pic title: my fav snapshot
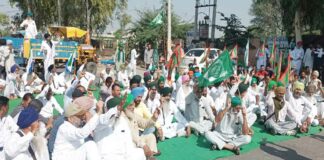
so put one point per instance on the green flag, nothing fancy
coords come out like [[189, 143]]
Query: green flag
[[219, 70], [158, 19]]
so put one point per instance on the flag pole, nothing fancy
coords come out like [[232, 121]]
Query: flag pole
[[169, 51]]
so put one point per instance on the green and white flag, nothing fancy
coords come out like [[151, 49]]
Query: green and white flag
[[219, 70], [158, 20], [69, 63], [246, 54]]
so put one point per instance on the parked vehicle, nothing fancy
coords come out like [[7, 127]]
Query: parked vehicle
[[198, 56]]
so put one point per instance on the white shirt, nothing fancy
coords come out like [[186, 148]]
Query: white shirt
[[85, 81], [7, 128], [26, 78], [114, 138], [301, 106], [57, 81], [153, 104], [206, 104], [297, 54], [286, 110], [10, 61], [16, 147], [123, 77], [31, 30], [4, 53], [48, 54], [110, 74], [69, 138], [319, 52], [134, 55], [170, 111], [49, 106]]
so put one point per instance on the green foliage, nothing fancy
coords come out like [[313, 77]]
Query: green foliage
[[142, 31], [234, 31], [273, 17], [267, 19], [4, 24], [73, 12]]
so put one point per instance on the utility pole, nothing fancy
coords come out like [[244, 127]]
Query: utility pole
[[196, 21], [214, 21], [59, 12], [169, 30], [198, 5]]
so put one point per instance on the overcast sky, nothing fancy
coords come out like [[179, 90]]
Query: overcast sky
[[184, 8]]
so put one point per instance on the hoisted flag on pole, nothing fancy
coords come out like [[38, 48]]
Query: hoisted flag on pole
[[273, 53], [246, 54], [30, 63], [69, 63], [284, 77], [278, 67], [219, 70], [158, 19]]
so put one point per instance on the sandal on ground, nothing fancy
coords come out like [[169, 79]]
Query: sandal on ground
[[157, 153], [236, 150]]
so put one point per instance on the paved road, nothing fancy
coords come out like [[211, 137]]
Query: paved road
[[305, 148]]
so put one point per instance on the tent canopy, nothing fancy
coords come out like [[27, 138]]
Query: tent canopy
[[68, 32]]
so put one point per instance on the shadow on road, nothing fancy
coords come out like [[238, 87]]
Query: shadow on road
[[282, 151], [318, 137]]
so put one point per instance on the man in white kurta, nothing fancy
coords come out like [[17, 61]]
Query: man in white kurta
[[248, 102], [21, 145], [87, 78], [153, 98], [133, 58], [57, 85], [122, 76], [148, 56], [69, 142], [206, 115], [297, 56], [232, 129], [32, 83], [304, 109], [309, 57], [113, 135], [107, 72], [13, 82], [49, 102], [316, 100], [7, 124], [183, 91], [170, 111], [10, 56], [278, 112], [30, 26], [48, 50]]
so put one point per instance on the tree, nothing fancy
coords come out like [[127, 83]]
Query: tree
[[234, 31], [142, 31], [87, 14], [267, 19], [4, 24], [296, 15]]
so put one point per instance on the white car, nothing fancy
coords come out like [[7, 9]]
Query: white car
[[199, 54]]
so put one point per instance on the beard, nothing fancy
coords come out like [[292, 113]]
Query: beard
[[165, 105], [39, 144], [186, 89]]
